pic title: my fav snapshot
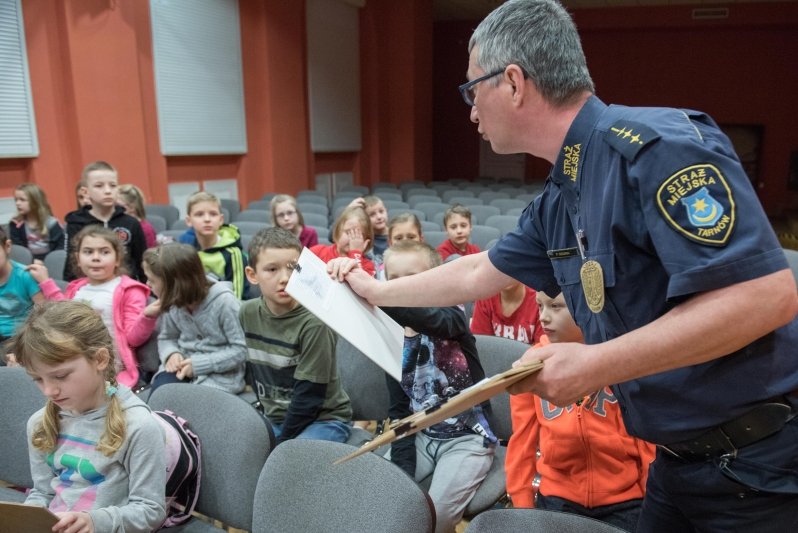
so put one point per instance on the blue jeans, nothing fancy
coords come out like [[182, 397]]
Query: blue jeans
[[756, 491], [332, 430], [162, 378], [623, 515]]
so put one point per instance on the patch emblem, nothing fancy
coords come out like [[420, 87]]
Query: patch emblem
[[123, 234], [698, 203]]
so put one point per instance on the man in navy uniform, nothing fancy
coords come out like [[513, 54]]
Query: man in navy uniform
[[651, 229]]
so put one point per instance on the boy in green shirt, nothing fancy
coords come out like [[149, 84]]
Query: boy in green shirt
[[291, 362]]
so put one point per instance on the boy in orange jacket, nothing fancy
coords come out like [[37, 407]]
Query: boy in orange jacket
[[588, 463]]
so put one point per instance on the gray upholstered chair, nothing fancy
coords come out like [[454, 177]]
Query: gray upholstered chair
[[496, 355], [309, 207], [482, 235], [435, 238], [536, 520], [235, 439], [19, 399], [364, 382], [315, 219], [505, 204], [300, 490], [503, 223], [169, 212], [251, 227], [253, 215], [20, 254], [157, 222], [480, 213], [54, 261]]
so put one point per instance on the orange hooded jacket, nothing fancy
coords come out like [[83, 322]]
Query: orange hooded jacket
[[586, 455]]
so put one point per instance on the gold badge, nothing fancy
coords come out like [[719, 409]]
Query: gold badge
[[593, 285]]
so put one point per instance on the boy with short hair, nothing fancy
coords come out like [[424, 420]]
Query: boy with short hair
[[457, 223], [218, 244], [101, 183], [291, 364], [378, 215], [439, 359], [588, 463]]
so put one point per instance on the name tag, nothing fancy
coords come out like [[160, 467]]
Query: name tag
[[563, 253]]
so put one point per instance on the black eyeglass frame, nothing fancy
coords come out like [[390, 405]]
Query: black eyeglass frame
[[466, 87]]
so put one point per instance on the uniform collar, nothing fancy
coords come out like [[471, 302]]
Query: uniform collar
[[568, 166]]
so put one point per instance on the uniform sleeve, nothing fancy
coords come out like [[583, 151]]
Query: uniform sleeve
[[480, 320], [230, 355], [522, 255], [42, 492], [702, 214], [519, 463], [145, 463]]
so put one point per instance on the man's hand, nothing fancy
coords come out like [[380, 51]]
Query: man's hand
[[566, 376]]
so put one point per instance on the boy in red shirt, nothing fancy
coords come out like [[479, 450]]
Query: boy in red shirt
[[588, 463], [511, 313], [457, 222]]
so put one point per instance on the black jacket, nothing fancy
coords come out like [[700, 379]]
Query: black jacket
[[126, 228]]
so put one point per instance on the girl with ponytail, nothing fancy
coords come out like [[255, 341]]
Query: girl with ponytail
[[96, 451]]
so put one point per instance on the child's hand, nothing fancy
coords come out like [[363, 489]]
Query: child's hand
[[339, 267], [70, 522], [356, 240], [11, 360], [173, 362], [357, 202], [152, 310], [186, 371], [38, 271]]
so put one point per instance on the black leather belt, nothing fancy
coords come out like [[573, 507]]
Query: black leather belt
[[755, 425]]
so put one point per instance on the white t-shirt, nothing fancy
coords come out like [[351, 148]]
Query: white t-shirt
[[101, 298]]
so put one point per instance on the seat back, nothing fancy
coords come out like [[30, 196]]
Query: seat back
[[482, 235], [54, 261], [233, 207], [526, 520], [503, 223], [254, 215], [435, 238], [157, 222], [480, 213], [20, 254], [315, 219], [300, 490], [169, 212], [19, 399], [236, 440], [497, 354], [363, 381]]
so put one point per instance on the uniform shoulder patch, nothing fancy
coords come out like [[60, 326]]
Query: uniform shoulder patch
[[629, 137], [698, 203]]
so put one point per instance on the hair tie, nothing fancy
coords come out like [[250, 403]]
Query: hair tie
[[110, 390]]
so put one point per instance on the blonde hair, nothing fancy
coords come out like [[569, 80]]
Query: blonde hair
[[95, 230], [38, 208], [57, 332], [201, 196], [280, 198], [413, 247], [91, 167], [371, 200], [133, 196], [365, 225]]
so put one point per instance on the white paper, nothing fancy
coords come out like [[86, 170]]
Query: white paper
[[365, 326]]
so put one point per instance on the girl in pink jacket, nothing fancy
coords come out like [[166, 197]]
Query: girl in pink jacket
[[120, 300]]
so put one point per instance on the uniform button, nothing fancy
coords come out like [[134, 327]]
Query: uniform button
[[573, 209]]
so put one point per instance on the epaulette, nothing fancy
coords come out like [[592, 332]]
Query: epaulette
[[629, 137]]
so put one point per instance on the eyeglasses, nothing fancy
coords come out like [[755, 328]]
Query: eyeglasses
[[285, 214], [467, 89]]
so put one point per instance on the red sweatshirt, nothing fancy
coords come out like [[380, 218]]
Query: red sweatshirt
[[446, 248], [587, 456], [327, 252], [523, 325]]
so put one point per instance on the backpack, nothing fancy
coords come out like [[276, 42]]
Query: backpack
[[183, 468]]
